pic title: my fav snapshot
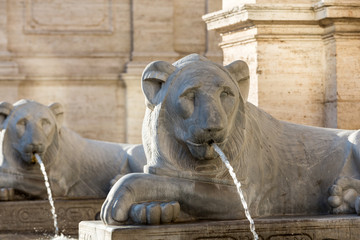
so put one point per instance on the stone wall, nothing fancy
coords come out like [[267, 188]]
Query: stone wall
[[304, 57], [89, 55]]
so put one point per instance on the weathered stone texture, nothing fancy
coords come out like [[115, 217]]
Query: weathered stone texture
[[285, 89], [36, 217], [348, 85], [305, 56]]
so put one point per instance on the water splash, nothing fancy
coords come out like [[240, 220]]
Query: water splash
[[238, 186], [47, 184], [62, 237]]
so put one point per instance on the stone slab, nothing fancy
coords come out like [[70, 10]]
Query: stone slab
[[32, 217], [32, 236], [334, 227]]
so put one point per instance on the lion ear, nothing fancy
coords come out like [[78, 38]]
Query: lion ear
[[239, 70], [152, 80], [58, 111], [5, 109]]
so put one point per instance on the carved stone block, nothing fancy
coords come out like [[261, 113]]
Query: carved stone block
[[285, 228], [35, 216]]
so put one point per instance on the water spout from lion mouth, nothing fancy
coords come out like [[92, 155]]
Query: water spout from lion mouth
[[204, 151], [33, 159], [33, 156]]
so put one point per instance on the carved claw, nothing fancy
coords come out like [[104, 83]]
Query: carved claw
[[343, 196], [155, 212]]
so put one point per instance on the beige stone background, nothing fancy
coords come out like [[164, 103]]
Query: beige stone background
[[304, 56]]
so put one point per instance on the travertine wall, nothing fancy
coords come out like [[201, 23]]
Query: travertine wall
[[304, 56], [89, 55]]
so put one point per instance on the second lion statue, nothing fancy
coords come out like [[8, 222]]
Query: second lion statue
[[77, 167], [284, 168]]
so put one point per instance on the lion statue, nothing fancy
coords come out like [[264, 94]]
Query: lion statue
[[77, 167], [284, 168]]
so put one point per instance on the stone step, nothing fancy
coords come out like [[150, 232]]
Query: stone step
[[334, 227]]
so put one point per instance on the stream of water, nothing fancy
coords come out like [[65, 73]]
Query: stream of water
[[238, 186], [51, 200]]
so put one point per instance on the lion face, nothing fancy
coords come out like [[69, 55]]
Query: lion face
[[203, 102], [191, 105], [29, 128]]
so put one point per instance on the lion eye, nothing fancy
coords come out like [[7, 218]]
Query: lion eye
[[46, 126], [226, 93], [227, 100], [190, 95], [185, 103], [20, 127]]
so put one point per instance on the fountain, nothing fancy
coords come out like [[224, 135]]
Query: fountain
[[197, 113], [194, 109]]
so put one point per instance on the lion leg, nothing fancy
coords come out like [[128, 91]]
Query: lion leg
[[344, 194], [149, 198]]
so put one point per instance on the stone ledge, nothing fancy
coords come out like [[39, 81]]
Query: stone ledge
[[280, 228], [35, 216], [247, 15]]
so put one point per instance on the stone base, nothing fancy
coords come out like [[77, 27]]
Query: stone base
[[30, 217], [290, 228]]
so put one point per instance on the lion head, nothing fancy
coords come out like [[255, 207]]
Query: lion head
[[28, 127], [192, 104]]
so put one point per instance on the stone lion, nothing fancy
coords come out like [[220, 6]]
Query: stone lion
[[284, 168], [77, 167]]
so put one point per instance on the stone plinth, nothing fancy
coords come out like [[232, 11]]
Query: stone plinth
[[35, 216], [280, 228]]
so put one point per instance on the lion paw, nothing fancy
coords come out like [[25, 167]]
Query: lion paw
[[154, 212], [343, 200]]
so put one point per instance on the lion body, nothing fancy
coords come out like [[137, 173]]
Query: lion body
[[77, 167], [287, 168]]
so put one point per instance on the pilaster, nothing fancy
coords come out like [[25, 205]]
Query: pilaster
[[341, 23], [7, 66]]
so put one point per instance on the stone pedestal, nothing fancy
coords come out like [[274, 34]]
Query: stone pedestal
[[280, 228], [30, 217], [303, 55]]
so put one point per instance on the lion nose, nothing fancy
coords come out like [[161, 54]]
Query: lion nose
[[213, 123], [35, 148]]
